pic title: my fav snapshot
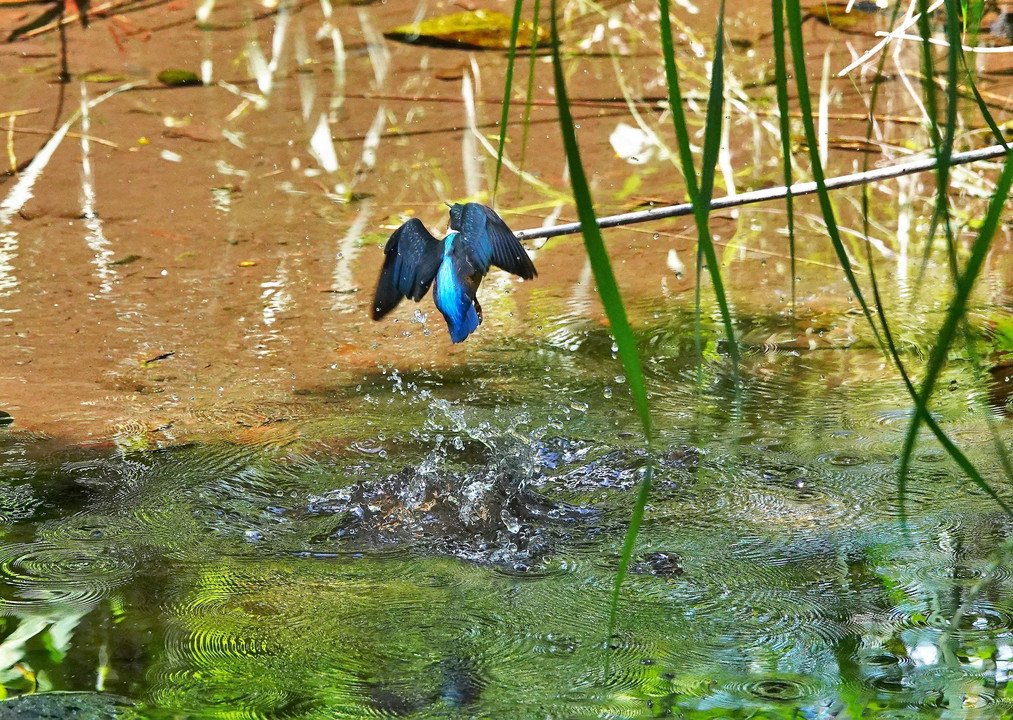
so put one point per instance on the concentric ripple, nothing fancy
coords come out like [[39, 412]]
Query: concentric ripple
[[38, 575]]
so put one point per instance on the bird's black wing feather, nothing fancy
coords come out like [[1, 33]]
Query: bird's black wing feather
[[411, 258], [490, 239]]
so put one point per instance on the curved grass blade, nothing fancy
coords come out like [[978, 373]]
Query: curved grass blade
[[508, 83], [982, 105], [608, 291], [955, 453], [921, 412], [955, 313]]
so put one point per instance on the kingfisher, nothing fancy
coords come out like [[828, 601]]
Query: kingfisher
[[414, 259]]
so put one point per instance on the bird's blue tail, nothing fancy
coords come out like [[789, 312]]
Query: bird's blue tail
[[463, 325]]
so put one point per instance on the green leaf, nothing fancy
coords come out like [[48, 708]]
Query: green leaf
[[178, 78]]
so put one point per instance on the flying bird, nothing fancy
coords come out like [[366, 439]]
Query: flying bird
[[414, 260]]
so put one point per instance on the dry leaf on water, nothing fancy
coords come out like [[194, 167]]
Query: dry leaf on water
[[478, 29]]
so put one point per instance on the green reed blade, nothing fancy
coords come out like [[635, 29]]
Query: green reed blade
[[708, 168], [508, 83], [972, 13], [781, 80], [675, 101], [629, 541], [955, 313], [608, 291], [982, 105], [601, 266], [526, 123], [942, 144], [921, 412], [794, 21], [701, 195]]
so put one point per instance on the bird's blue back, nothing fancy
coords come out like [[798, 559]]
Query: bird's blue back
[[452, 297]]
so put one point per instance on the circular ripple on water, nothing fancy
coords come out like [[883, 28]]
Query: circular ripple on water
[[917, 617], [771, 689], [984, 618], [796, 510], [774, 605], [781, 689], [17, 502], [954, 575], [236, 697], [37, 575]]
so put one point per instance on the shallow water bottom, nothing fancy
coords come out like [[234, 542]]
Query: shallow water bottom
[[443, 548]]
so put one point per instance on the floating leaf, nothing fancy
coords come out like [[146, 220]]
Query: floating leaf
[[101, 77], [178, 78], [838, 15], [126, 260], [477, 28], [157, 358]]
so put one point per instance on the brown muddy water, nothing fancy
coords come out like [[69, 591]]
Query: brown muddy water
[[226, 492]]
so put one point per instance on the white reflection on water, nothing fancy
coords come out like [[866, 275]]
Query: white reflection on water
[[102, 255], [8, 251], [348, 250]]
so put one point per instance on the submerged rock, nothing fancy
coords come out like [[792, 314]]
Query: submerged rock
[[65, 705]]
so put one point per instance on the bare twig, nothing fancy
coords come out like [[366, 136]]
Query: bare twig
[[18, 113], [92, 138], [67, 19], [806, 188], [1001, 50], [872, 52]]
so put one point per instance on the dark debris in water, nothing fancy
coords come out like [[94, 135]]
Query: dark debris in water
[[491, 517], [659, 564]]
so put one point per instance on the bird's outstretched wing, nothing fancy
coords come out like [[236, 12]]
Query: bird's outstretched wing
[[411, 258], [489, 240]]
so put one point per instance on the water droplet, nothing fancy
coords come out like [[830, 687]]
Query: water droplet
[[608, 392]]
